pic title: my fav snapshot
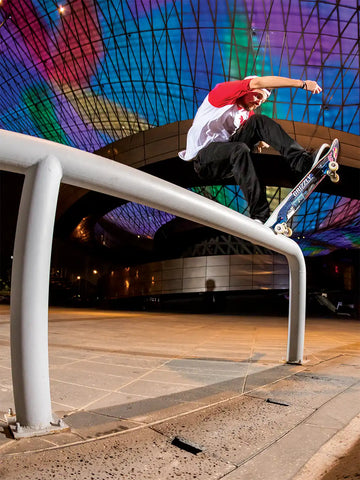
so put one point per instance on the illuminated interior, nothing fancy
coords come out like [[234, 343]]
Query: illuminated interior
[[89, 73]]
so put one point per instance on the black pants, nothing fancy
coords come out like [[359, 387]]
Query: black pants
[[220, 160]]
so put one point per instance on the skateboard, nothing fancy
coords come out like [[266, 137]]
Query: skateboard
[[325, 165]]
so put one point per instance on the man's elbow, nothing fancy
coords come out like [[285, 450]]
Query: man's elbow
[[256, 82]]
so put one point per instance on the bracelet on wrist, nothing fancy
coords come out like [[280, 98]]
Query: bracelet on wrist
[[304, 86]]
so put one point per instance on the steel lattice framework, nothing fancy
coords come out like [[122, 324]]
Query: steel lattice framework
[[104, 69]]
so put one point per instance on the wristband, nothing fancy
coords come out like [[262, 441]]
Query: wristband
[[304, 86]]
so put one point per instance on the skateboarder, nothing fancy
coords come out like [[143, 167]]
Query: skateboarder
[[225, 131]]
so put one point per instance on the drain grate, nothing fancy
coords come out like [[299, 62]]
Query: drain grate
[[187, 446]]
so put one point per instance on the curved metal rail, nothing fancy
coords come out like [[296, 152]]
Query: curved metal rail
[[47, 164]]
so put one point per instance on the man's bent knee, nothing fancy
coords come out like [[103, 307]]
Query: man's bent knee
[[239, 152]]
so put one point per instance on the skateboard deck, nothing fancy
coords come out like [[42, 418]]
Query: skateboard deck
[[325, 165]]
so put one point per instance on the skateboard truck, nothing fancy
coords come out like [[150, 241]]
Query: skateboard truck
[[332, 169], [283, 229], [327, 165]]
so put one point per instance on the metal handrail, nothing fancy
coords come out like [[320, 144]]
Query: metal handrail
[[45, 165]]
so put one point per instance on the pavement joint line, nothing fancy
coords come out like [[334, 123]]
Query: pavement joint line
[[72, 361], [319, 361], [107, 415], [64, 405], [127, 384], [118, 390], [344, 441], [157, 422], [5, 445], [80, 409], [81, 385], [97, 363], [112, 364], [266, 447], [250, 362], [357, 382], [303, 421]]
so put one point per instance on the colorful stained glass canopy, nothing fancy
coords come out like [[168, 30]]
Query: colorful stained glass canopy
[[92, 72], [87, 73]]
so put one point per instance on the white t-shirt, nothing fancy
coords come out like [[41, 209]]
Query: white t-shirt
[[218, 117]]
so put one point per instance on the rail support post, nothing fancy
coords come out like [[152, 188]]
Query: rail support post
[[29, 304], [297, 308]]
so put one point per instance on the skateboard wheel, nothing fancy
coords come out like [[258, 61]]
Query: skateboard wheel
[[333, 166], [280, 228], [335, 178], [288, 232]]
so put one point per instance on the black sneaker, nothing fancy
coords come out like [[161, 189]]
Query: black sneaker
[[311, 158], [319, 153]]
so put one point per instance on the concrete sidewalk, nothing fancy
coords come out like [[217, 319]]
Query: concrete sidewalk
[[161, 396]]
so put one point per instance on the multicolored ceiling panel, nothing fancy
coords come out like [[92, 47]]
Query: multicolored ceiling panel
[[88, 73], [92, 72]]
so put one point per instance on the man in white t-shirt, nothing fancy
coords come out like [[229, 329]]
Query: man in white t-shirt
[[225, 131]]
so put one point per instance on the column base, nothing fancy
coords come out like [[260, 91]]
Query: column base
[[18, 431]]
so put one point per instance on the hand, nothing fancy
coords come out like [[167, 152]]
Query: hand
[[312, 86], [260, 145]]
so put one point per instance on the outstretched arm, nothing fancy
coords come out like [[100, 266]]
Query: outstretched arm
[[282, 82]]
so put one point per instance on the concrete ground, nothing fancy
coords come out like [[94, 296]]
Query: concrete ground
[[160, 396]]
